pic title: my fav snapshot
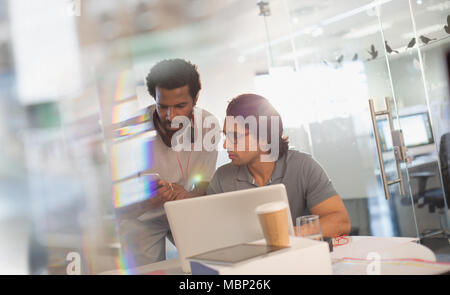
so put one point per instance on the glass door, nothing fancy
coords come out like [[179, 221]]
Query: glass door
[[324, 69], [414, 32]]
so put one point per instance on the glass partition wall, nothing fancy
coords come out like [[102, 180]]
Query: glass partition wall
[[68, 159], [326, 62]]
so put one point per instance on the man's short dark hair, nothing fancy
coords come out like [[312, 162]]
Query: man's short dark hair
[[174, 73], [253, 105]]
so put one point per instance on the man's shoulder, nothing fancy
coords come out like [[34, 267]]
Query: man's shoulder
[[227, 170], [300, 161], [204, 113], [303, 162], [297, 156]]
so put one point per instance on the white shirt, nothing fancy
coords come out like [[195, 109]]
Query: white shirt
[[184, 167]]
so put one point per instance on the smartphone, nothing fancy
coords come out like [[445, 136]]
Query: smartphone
[[152, 178]]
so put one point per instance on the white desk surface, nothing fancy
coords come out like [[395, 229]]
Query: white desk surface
[[397, 256]]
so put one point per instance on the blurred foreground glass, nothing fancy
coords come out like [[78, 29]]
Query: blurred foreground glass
[[309, 227]]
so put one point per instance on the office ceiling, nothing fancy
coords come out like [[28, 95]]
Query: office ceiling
[[234, 30]]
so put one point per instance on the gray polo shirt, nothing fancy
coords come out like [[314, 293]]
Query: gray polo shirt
[[306, 182]]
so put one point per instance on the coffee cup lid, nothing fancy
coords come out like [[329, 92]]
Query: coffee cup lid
[[270, 207]]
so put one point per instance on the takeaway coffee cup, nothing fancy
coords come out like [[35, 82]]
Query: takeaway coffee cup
[[273, 218]]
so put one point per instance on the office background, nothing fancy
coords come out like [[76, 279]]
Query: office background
[[70, 70]]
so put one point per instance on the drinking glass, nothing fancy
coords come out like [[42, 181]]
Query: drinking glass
[[309, 227]]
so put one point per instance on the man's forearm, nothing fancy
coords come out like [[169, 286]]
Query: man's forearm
[[335, 224], [136, 210]]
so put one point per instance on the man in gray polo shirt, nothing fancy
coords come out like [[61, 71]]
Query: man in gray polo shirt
[[307, 185]]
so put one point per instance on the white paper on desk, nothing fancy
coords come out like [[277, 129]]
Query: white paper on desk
[[360, 247], [406, 267]]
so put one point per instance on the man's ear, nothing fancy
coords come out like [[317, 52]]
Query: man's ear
[[196, 98]]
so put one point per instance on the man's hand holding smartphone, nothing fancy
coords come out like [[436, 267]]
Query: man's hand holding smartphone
[[166, 191], [161, 192]]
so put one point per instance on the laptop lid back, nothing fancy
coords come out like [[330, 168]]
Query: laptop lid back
[[210, 222]]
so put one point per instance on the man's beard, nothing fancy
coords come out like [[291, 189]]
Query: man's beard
[[161, 127], [167, 124]]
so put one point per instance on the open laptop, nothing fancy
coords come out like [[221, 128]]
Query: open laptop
[[206, 223]]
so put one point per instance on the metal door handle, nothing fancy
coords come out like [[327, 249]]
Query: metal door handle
[[399, 150]]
